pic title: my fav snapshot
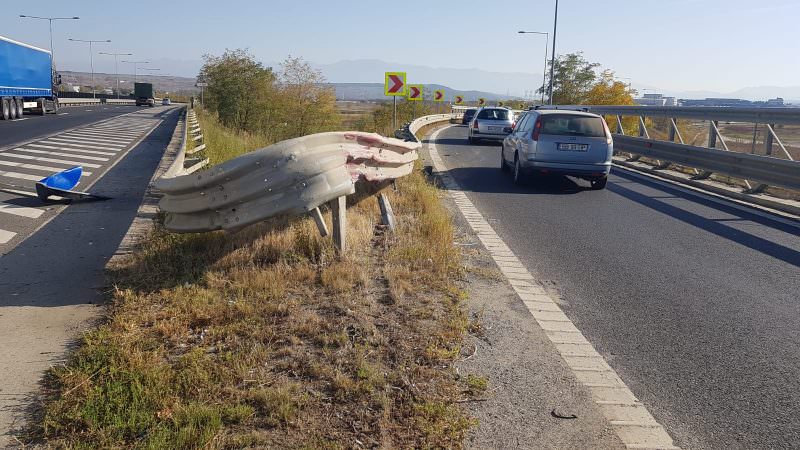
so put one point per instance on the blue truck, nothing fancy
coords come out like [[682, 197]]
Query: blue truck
[[27, 80]]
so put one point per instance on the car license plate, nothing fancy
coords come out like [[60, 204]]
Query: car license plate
[[495, 128], [573, 147]]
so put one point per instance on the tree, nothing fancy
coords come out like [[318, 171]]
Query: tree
[[573, 79], [610, 91], [308, 104]]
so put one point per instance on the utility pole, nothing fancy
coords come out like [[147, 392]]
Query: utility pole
[[50, 19], [91, 57], [553, 58], [116, 67]]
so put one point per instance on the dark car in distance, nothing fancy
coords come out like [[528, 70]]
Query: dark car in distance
[[468, 115]]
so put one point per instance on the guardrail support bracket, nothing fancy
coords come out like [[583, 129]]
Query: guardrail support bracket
[[339, 212], [703, 175], [387, 215]]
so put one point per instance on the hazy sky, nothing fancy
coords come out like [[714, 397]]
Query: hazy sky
[[717, 45]]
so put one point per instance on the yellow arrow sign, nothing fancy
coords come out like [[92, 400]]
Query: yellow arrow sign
[[438, 95], [394, 84], [415, 92], [481, 102], [501, 104], [458, 100]]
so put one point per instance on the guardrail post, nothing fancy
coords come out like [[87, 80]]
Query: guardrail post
[[387, 215], [768, 141], [320, 221], [339, 212], [712, 134]]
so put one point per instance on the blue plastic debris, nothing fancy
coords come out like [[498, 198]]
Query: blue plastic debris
[[61, 184]]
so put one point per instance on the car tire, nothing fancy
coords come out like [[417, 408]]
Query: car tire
[[12, 105], [503, 165], [55, 106], [20, 108], [6, 114], [471, 140], [43, 103], [518, 179], [599, 184]]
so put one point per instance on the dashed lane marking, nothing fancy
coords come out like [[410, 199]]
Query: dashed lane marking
[[629, 418], [6, 236], [22, 211]]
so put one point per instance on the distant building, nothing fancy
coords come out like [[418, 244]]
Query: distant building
[[670, 101], [774, 102], [650, 100]]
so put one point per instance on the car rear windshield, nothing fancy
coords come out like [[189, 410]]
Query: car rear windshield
[[470, 112], [493, 114], [569, 125]]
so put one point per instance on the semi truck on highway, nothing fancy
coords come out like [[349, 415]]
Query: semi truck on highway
[[144, 94], [27, 80]]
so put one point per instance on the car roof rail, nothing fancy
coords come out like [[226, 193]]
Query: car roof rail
[[564, 108]]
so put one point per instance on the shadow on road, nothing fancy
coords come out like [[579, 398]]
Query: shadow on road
[[492, 180]]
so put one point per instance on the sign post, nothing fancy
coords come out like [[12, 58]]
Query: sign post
[[394, 85]]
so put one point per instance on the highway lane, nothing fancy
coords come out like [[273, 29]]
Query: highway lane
[[695, 304], [33, 126], [96, 146]]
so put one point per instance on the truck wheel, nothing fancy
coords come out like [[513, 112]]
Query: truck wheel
[[12, 106], [20, 108], [6, 114], [55, 106], [43, 104]]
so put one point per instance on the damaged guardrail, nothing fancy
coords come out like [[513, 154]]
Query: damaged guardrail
[[292, 177]]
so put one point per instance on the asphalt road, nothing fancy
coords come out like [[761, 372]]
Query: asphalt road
[[33, 126], [101, 138], [51, 282], [695, 303]]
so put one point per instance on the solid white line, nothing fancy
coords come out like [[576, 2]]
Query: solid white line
[[97, 138], [6, 236], [21, 176], [49, 169], [53, 147], [22, 211], [55, 141], [68, 155], [554, 322], [53, 160], [83, 142]]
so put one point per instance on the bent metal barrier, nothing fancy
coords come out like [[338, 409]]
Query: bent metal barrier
[[288, 178]]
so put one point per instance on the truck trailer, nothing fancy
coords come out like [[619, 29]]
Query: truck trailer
[[145, 96], [27, 80]]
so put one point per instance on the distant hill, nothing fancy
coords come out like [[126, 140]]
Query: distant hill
[[109, 80]]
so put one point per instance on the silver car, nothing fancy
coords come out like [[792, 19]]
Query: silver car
[[562, 142], [490, 124]]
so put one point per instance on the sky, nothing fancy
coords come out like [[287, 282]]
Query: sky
[[678, 45]]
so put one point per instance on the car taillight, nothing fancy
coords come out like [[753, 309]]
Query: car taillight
[[475, 125], [608, 133], [537, 128], [513, 125]]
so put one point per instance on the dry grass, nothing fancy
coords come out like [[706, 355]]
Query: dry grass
[[267, 338]]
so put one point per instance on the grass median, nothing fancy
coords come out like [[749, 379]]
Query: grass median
[[267, 338]]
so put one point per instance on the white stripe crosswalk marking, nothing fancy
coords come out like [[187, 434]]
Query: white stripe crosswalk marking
[[6, 236], [68, 155], [97, 139], [53, 160], [79, 141], [69, 144], [65, 149], [113, 135], [120, 130], [21, 176], [49, 169], [22, 211]]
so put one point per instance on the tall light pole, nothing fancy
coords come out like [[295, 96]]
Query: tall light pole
[[50, 19], [91, 56], [553, 58], [544, 69], [116, 67], [135, 65]]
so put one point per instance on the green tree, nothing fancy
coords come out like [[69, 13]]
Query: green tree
[[607, 90], [573, 79], [308, 103]]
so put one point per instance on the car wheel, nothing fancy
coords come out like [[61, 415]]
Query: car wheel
[[6, 109], [471, 140], [517, 170], [599, 184], [55, 106], [20, 108], [12, 105], [503, 165]]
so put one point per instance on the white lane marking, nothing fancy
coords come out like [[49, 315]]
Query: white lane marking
[[629, 418], [95, 138], [49, 169], [65, 149], [94, 132], [6, 236], [20, 120], [68, 155], [62, 114], [22, 211], [21, 176], [85, 143], [62, 142], [53, 160]]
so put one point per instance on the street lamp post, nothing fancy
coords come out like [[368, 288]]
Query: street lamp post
[[116, 67], [544, 69], [91, 56], [50, 19], [553, 58], [135, 65]]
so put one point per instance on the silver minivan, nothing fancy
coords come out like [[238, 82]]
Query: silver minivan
[[561, 142], [491, 124]]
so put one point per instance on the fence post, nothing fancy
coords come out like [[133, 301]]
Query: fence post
[[769, 140]]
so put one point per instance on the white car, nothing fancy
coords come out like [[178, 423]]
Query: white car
[[166, 102]]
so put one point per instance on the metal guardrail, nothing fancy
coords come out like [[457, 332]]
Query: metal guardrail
[[93, 101], [784, 116]]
